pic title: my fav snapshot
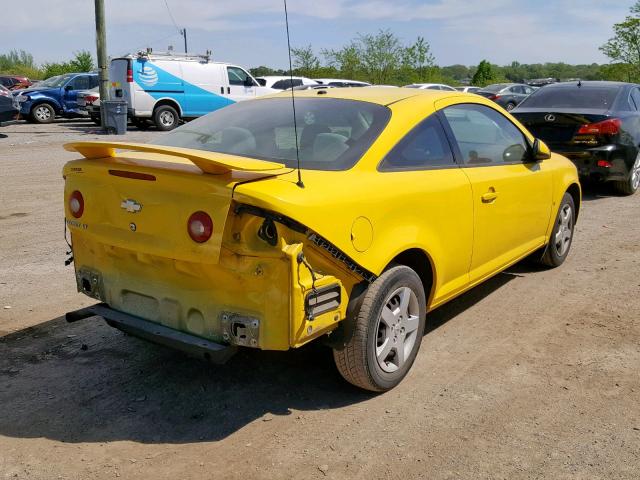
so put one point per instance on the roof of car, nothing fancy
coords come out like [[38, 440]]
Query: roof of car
[[379, 95], [588, 83]]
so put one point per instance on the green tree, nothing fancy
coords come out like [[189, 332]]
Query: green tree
[[82, 62], [418, 57], [346, 60], [484, 75], [624, 46], [305, 61]]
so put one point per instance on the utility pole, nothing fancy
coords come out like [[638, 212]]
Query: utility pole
[[184, 34], [103, 66]]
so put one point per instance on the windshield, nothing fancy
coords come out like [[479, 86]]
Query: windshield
[[600, 98], [496, 87], [333, 134], [57, 81]]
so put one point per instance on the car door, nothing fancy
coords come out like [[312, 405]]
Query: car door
[[71, 89], [242, 86], [512, 195], [426, 177]]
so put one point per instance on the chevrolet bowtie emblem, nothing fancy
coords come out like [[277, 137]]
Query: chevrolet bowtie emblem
[[131, 206]]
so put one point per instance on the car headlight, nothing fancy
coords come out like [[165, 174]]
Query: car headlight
[[22, 98]]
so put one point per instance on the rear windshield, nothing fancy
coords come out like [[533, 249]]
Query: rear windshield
[[333, 134], [600, 98]]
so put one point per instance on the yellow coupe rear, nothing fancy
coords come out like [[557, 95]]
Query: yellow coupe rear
[[208, 240]]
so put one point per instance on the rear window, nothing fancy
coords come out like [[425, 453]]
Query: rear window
[[496, 87], [600, 98], [333, 134]]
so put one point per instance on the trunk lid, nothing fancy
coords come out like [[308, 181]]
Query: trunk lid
[[141, 200], [560, 128]]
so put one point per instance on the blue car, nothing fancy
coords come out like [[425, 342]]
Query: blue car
[[55, 96]]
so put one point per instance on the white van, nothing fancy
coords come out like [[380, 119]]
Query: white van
[[167, 87]]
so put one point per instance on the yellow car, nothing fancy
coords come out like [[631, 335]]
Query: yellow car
[[212, 238]]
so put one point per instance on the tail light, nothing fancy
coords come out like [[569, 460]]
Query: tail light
[[607, 127], [200, 227], [129, 75], [90, 99], [76, 204], [604, 164], [494, 97]]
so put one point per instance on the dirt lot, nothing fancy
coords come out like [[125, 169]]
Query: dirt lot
[[534, 374]]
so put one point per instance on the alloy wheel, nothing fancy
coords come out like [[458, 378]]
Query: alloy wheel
[[167, 119], [562, 239], [42, 113], [635, 174], [397, 329]]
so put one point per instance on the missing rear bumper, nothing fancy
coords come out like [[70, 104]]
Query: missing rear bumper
[[159, 334]]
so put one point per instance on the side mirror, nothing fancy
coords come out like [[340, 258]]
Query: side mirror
[[68, 88], [248, 82], [540, 151]]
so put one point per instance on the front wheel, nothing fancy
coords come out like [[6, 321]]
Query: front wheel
[[42, 113], [631, 185], [562, 235], [388, 331]]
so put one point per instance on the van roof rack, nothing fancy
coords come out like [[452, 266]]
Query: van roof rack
[[171, 54]]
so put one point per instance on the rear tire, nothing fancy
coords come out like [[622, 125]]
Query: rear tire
[[42, 113], [166, 118], [562, 234], [388, 331], [631, 185], [510, 106]]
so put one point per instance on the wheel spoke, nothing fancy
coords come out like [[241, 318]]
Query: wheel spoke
[[411, 324], [382, 352], [405, 296], [388, 317], [399, 357]]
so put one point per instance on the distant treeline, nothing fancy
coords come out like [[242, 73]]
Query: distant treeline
[[380, 58], [21, 63]]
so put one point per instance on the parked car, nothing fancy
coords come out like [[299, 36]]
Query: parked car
[[468, 89], [340, 82], [166, 88], [55, 96], [284, 82], [89, 103], [507, 95], [9, 107], [238, 248], [431, 86], [594, 124], [15, 82]]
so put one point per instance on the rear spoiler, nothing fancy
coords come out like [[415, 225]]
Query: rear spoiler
[[209, 162]]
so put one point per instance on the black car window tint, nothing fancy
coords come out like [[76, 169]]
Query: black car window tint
[[484, 136], [80, 83], [423, 147]]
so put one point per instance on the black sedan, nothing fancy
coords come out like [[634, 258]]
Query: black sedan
[[8, 106], [595, 124], [507, 95]]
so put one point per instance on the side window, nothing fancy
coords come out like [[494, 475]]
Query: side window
[[424, 147], [81, 82], [516, 89], [484, 136], [635, 97], [93, 81], [528, 90], [237, 76]]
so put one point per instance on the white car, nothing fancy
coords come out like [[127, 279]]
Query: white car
[[284, 82], [341, 82], [431, 86], [468, 89]]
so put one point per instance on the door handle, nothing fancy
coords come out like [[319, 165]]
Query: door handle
[[490, 196], [229, 90], [222, 90]]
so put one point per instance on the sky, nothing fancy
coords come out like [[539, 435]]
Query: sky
[[252, 32]]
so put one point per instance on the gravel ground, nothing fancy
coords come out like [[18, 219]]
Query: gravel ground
[[533, 374]]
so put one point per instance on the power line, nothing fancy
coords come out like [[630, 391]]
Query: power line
[[166, 3]]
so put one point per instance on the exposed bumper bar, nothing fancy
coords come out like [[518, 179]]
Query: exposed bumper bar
[[156, 333]]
